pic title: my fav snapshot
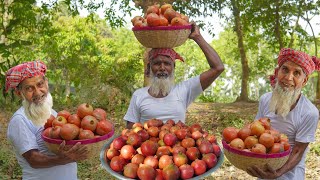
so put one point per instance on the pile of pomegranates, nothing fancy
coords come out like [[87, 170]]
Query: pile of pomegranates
[[257, 137], [163, 15], [86, 123], [157, 150]]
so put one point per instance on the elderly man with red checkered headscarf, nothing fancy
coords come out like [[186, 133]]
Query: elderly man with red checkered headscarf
[[24, 130], [290, 112], [164, 99]]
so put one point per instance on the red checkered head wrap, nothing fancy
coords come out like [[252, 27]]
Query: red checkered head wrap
[[305, 61], [17, 74], [153, 53]]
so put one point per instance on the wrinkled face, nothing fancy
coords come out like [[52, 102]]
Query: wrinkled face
[[162, 66], [34, 89], [291, 76], [37, 101]]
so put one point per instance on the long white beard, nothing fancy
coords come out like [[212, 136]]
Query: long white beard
[[161, 86], [38, 113], [283, 99]]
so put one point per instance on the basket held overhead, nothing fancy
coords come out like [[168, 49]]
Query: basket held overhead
[[162, 36]]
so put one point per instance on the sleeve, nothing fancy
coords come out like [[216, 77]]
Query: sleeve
[[133, 113], [307, 129], [190, 90], [21, 136], [260, 109]]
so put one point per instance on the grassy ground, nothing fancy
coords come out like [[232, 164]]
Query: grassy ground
[[212, 116]]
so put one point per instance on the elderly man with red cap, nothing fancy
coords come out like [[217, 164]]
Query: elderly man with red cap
[[290, 112], [163, 99], [25, 127]]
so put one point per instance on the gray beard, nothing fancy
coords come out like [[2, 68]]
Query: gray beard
[[283, 99], [161, 86], [38, 113]]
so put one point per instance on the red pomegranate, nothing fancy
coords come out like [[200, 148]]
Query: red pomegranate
[[89, 122], [49, 122], [130, 170], [59, 121], [84, 109], [74, 119], [199, 166], [100, 114], [104, 127], [146, 172], [85, 134], [171, 172], [69, 131], [186, 171], [64, 113]]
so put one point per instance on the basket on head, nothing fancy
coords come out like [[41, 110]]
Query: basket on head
[[162, 36], [94, 145], [243, 160]]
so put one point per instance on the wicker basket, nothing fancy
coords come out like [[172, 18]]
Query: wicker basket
[[243, 159], [94, 145], [162, 36]]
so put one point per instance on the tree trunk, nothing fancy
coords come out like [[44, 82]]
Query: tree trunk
[[277, 28], [244, 62]]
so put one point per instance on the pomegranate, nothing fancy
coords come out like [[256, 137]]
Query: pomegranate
[[137, 124], [171, 122], [137, 159], [161, 143], [184, 17], [244, 133], [84, 110], [259, 148], [89, 122], [151, 161], [169, 14], [163, 150], [146, 172], [250, 141], [149, 148], [170, 139], [276, 135], [196, 135], [164, 161], [174, 128], [104, 127], [206, 147], [186, 171], [153, 19], [153, 9], [46, 132], [216, 150], [266, 139], [257, 128], [177, 149], [276, 148], [154, 123], [237, 143], [162, 133], [143, 135], [134, 139], [159, 175], [164, 7], [85, 134], [112, 153], [188, 142], [171, 172], [193, 153], [210, 160], [130, 170], [180, 159], [265, 122], [211, 138], [117, 163], [118, 143], [64, 113], [163, 21], [153, 131], [178, 21], [99, 114], [127, 152], [59, 121], [199, 166], [55, 132], [69, 131], [229, 133], [74, 119], [49, 122]]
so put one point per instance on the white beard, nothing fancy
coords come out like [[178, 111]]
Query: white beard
[[38, 113], [283, 99], [161, 86]]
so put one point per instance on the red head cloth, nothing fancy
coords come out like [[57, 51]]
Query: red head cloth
[[153, 53], [18, 73], [306, 62]]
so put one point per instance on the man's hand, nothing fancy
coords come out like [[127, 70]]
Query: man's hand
[[195, 31], [77, 152], [267, 173]]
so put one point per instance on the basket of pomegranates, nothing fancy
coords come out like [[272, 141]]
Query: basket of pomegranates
[[88, 126], [161, 27], [162, 150], [255, 144]]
